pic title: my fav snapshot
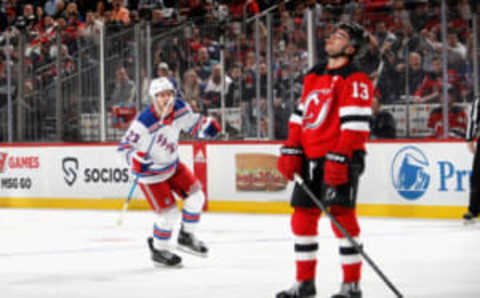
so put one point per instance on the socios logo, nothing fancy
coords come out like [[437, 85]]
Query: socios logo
[[70, 169], [409, 172]]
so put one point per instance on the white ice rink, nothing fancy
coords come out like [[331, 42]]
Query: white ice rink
[[70, 254]]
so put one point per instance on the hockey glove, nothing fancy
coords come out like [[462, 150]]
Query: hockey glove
[[290, 161], [140, 164], [336, 169], [209, 128]]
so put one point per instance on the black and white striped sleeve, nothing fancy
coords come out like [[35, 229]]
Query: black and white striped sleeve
[[473, 120]]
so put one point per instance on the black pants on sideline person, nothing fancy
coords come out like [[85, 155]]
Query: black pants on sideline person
[[474, 202]]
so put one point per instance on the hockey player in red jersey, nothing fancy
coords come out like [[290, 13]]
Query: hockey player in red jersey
[[326, 146]]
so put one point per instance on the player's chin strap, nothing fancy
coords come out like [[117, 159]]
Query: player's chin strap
[[352, 241], [147, 153]]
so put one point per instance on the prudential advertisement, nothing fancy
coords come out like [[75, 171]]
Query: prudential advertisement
[[417, 173]]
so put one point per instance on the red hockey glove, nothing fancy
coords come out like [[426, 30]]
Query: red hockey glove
[[140, 164], [336, 169], [290, 161]]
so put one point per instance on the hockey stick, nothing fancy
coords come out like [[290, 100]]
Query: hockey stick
[[135, 182], [352, 241]]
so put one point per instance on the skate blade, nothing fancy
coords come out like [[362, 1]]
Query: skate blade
[[467, 222], [192, 252], [165, 266]]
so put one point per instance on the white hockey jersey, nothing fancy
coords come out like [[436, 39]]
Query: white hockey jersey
[[164, 146]]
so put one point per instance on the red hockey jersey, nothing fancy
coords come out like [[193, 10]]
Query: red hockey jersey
[[334, 111], [457, 122]]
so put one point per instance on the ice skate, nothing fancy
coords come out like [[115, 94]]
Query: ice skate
[[188, 243], [303, 289], [469, 218], [163, 258], [349, 290]]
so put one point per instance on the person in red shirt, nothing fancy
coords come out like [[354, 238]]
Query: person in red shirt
[[238, 7], [431, 87], [457, 118], [326, 147]]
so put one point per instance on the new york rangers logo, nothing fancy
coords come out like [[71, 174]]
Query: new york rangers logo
[[3, 159], [316, 109]]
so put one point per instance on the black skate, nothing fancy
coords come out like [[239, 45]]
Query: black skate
[[349, 290], [469, 218], [302, 289], [163, 258], [189, 244]]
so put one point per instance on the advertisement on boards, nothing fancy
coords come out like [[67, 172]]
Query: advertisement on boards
[[83, 172], [417, 174]]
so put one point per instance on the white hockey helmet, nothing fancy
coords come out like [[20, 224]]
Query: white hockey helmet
[[160, 85]]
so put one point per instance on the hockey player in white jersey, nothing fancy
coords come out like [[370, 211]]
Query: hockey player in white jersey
[[160, 172]]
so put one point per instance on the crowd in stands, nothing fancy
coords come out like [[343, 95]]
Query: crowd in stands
[[405, 39]]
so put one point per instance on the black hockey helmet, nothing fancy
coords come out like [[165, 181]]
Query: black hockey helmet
[[358, 37]]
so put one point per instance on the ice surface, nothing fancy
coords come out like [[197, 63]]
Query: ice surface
[[75, 253]]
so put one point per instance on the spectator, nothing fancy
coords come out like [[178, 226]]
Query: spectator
[[237, 8], [72, 8], [418, 17], [280, 113], [124, 90], [248, 119], [415, 74], [382, 124], [162, 70], [50, 7], [157, 21], [237, 85], [204, 64], [150, 4], [28, 12], [431, 87], [192, 88], [91, 30], [211, 96], [400, 15], [457, 118], [59, 8], [457, 52], [120, 13], [134, 17], [100, 11]]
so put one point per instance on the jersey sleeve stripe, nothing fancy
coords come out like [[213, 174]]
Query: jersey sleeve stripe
[[124, 146], [160, 171], [347, 111], [295, 119], [196, 126], [300, 108], [181, 114], [356, 126], [355, 118]]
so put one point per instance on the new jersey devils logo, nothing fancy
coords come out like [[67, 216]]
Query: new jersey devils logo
[[314, 113]]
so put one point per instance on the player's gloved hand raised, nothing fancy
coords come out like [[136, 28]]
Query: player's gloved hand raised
[[140, 163], [209, 128], [335, 169], [290, 161]]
